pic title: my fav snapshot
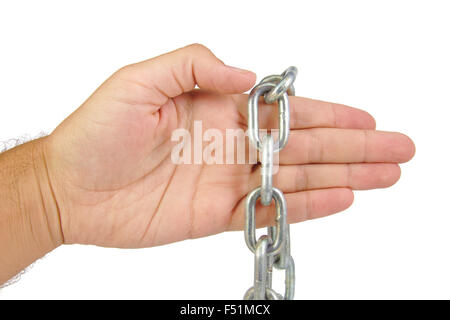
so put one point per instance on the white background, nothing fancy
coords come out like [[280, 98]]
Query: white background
[[388, 57]]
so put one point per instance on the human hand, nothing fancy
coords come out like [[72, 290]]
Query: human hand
[[110, 168]]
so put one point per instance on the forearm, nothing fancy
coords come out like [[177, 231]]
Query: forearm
[[29, 217]]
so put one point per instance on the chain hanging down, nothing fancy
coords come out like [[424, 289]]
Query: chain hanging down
[[273, 249]]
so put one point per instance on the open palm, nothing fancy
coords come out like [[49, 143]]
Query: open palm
[[116, 185]]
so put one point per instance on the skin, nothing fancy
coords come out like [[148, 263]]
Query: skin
[[105, 175]]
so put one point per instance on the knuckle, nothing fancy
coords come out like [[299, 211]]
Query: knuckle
[[195, 49], [301, 179], [124, 72]]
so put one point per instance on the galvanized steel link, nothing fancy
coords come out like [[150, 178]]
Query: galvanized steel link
[[261, 265], [284, 83], [283, 116], [266, 169], [270, 294], [280, 220]]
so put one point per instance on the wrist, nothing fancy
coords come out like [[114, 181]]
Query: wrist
[[29, 214], [42, 197]]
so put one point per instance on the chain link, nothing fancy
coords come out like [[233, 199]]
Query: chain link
[[273, 249], [277, 242], [283, 116], [266, 169]]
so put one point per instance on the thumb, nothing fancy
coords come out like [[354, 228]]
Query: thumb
[[173, 73]]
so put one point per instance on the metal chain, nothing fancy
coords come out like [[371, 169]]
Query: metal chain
[[273, 249]]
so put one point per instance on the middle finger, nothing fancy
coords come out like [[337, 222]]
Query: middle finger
[[330, 145]]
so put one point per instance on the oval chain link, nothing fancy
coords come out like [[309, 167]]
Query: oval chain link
[[276, 244], [284, 83], [266, 169], [272, 249], [283, 116]]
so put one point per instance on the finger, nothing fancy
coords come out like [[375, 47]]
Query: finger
[[309, 113], [301, 206], [325, 145], [356, 176], [173, 73]]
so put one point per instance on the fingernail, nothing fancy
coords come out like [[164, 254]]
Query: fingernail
[[238, 69]]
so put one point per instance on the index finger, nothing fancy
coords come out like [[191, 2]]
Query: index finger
[[309, 113]]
